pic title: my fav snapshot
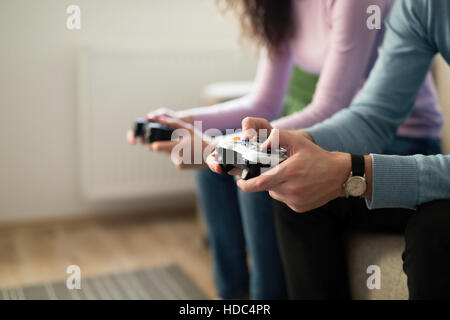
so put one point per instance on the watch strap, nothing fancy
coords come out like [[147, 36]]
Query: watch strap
[[358, 168]]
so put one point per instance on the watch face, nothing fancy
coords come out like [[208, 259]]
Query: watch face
[[356, 186]]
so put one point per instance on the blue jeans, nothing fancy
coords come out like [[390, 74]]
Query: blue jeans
[[240, 223]]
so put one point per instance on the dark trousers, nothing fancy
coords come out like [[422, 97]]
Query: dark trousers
[[312, 246]]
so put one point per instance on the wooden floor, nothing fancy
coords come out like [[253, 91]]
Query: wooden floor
[[41, 252]]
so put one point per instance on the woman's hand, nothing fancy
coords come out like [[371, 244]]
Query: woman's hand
[[212, 163], [214, 166], [191, 148], [167, 113], [155, 115]]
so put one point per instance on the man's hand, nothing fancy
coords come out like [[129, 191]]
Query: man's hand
[[309, 178], [252, 127]]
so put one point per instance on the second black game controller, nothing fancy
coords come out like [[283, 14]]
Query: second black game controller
[[151, 131]]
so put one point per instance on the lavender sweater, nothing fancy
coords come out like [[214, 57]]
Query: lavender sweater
[[332, 40]]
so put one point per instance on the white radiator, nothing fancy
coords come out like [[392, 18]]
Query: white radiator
[[116, 86]]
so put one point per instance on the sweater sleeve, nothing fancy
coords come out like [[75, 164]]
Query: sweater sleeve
[[387, 98], [265, 100], [351, 50]]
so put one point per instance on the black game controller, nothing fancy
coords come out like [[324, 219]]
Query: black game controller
[[151, 131], [247, 156]]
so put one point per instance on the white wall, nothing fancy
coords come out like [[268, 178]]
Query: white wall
[[38, 94]]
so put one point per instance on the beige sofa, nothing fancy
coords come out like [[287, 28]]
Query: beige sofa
[[385, 250], [367, 249]]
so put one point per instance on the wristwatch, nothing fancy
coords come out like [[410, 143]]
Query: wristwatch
[[356, 184]]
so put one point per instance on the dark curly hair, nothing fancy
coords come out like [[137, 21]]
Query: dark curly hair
[[267, 22]]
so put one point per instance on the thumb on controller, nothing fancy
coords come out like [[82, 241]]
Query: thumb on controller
[[277, 138]]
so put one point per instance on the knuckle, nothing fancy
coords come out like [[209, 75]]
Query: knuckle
[[275, 196], [244, 188], [292, 191], [261, 184], [299, 209], [246, 123], [291, 171], [275, 134], [156, 147]]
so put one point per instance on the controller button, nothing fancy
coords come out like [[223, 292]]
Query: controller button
[[244, 174]]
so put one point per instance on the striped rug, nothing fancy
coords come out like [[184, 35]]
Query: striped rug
[[164, 283]]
